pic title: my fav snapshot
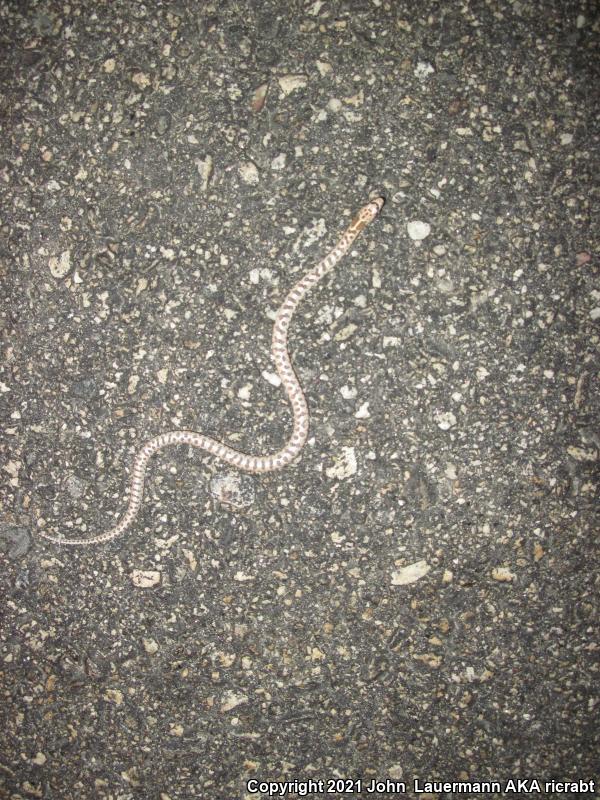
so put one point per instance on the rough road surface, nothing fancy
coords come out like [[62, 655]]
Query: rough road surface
[[416, 598]]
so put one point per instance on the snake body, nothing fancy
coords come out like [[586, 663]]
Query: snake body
[[281, 357]]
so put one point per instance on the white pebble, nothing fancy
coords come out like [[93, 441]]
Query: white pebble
[[445, 420], [278, 163], [145, 578], [363, 412], [418, 230], [348, 392], [232, 700], [410, 574], [271, 378], [290, 83], [248, 173], [344, 464], [423, 70], [61, 265], [503, 574]]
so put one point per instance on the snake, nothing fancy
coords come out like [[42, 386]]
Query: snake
[[281, 357]]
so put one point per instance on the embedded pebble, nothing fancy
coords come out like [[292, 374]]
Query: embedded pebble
[[233, 490], [114, 696], [445, 420], [141, 79], [345, 332], [418, 230], [580, 454], [344, 465], [410, 573], [348, 392], [289, 83], [232, 700], [363, 412], [271, 377], [248, 173], [278, 163], [144, 578], [60, 265], [18, 541], [259, 97], [205, 170], [503, 574], [423, 70]]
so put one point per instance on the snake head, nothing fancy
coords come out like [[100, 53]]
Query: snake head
[[370, 211], [367, 213]]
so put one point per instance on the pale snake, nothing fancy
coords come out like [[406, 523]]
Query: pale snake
[[281, 357]]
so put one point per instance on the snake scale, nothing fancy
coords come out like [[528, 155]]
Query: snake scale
[[281, 357]]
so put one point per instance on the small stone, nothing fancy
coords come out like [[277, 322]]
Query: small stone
[[344, 465], [324, 67], [580, 454], [418, 230], [205, 169], [271, 378], [233, 490], [145, 578], [290, 83], [242, 577], [114, 696], [150, 646], [410, 573], [131, 776], [583, 258], [450, 471], [431, 659], [503, 574], [363, 412], [538, 552], [278, 163], [249, 173], [259, 97], [232, 700], [346, 332], [423, 70], [445, 420], [141, 79], [60, 266]]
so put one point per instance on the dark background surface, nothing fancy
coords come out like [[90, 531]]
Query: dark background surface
[[156, 207]]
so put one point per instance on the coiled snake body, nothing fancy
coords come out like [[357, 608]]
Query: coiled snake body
[[281, 357]]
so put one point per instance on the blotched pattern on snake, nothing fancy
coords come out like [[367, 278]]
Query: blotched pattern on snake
[[281, 357]]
